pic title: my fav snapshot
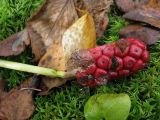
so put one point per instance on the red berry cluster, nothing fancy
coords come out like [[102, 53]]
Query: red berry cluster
[[118, 59]]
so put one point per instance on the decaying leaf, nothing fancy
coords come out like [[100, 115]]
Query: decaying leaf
[[18, 103], [15, 44], [148, 35], [81, 35], [149, 13], [48, 24], [98, 9]]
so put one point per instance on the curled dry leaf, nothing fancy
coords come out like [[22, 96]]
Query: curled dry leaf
[[98, 9], [15, 44], [47, 25], [149, 13], [148, 35], [81, 35], [18, 104]]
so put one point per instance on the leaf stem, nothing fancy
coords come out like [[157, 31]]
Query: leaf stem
[[32, 69]]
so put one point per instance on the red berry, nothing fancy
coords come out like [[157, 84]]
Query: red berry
[[137, 42], [113, 74], [118, 59], [145, 56], [135, 51], [104, 62], [99, 73], [120, 63], [96, 52], [128, 62], [91, 69], [139, 65], [118, 52], [124, 73], [108, 51]]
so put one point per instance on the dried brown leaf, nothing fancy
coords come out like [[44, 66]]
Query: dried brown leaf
[[48, 23], [15, 44], [98, 9], [148, 35], [18, 104], [149, 13]]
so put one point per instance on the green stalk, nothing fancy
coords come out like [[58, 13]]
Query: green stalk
[[32, 69]]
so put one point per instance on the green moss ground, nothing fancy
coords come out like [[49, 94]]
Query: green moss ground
[[66, 102]]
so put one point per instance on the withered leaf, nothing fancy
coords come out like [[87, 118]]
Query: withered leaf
[[98, 9], [147, 35], [149, 13], [47, 25], [80, 35], [18, 104], [15, 44]]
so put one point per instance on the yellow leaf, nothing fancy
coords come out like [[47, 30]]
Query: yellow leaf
[[81, 35]]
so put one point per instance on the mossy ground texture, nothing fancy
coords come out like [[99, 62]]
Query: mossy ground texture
[[67, 102]]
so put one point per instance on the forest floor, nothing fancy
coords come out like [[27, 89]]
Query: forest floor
[[67, 102]]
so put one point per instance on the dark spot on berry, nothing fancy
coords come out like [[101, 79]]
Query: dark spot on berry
[[136, 50]]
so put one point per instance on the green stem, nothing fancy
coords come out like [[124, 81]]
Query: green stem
[[32, 69]]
